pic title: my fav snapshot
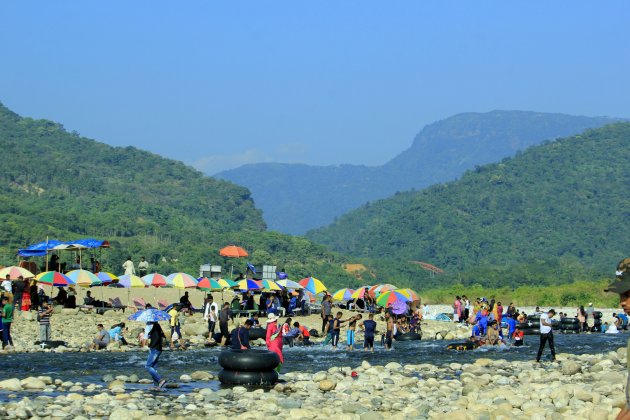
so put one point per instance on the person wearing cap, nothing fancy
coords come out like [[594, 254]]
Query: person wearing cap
[[546, 335], [621, 286], [274, 338]]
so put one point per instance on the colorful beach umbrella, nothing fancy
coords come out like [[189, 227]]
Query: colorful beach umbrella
[[181, 280], [149, 315], [360, 292], [54, 278], [290, 284], [155, 280], [209, 285], [381, 288], [130, 280], [14, 273], [343, 294], [84, 278], [106, 277], [390, 297], [233, 251], [269, 285], [248, 284], [413, 296], [313, 285], [227, 284]]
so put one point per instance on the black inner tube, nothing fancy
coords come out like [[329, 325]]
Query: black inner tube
[[410, 336], [248, 378], [253, 360]]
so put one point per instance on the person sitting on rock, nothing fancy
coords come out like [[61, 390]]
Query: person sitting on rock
[[116, 333], [101, 340]]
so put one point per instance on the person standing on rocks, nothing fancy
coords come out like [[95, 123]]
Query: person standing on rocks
[[622, 286], [209, 314], [7, 320], [326, 310], [43, 316], [546, 335]]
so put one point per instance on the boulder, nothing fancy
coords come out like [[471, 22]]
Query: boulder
[[33, 383], [327, 385], [201, 375], [12, 384], [571, 368], [195, 329]]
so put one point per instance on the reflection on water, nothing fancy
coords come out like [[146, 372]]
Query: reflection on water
[[90, 367]]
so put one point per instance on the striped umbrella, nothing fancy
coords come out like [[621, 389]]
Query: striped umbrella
[[313, 285], [248, 284], [54, 278], [381, 288], [227, 284], [155, 280], [360, 292], [181, 280], [390, 297], [14, 273], [84, 278], [269, 285], [131, 280], [289, 284], [106, 277], [209, 285], [343, 294], [413, 296]]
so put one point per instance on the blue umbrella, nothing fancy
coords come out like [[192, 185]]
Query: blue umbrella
[[150, 315]]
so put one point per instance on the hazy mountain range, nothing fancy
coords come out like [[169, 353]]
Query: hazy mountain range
[[295, 198]]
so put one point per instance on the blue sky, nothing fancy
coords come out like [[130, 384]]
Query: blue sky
[[217, 85]]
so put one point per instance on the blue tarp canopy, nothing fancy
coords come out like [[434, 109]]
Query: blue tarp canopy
[[41, 249]]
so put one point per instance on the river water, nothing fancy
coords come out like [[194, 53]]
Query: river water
[[90, 367]]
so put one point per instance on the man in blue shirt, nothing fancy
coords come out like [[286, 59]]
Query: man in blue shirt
[[369, 328]]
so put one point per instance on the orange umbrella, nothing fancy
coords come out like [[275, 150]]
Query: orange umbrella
[[233, 251]]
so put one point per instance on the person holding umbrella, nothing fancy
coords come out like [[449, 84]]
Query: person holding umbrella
[[155, 337]]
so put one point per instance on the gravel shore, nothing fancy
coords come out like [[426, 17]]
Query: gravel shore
[[586, 386]]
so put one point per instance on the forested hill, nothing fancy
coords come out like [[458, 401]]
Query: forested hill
[[562, 205], [296, 198], [61, 185]]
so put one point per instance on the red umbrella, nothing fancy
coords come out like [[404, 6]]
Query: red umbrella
[[233, 251]]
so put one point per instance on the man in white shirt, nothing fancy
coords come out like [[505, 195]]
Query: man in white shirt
[[129, 267], [546, 335], [210, 313]]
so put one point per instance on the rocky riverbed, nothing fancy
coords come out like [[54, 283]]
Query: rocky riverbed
[[585, 386]]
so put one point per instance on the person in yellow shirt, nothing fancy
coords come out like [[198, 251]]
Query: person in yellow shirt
[[175, 327]]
